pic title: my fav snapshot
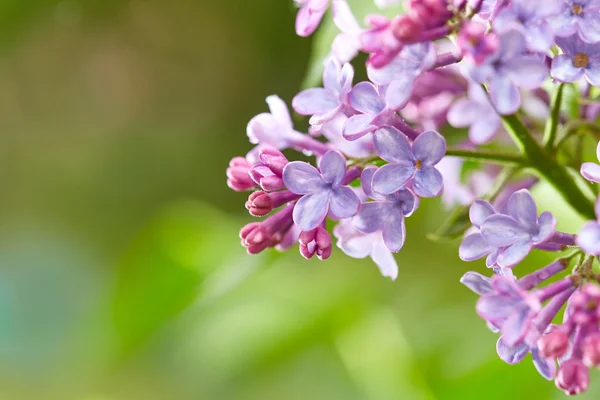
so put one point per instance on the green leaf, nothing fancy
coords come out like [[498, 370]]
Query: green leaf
[[327, 32]]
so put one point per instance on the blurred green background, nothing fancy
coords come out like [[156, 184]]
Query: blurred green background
[[121, 273]]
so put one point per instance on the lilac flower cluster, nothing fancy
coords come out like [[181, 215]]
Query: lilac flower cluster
[[478, 74]]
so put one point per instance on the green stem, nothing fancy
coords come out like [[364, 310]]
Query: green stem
[[547, 166], [494, 157], [554, 120]]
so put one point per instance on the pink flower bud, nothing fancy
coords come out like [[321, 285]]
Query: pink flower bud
[[274, 160], [238, 177], [554, 344], [259, 204], [405, 28], [573, 377], [591, 350], [255, 237], [265, 178], [316, 241]]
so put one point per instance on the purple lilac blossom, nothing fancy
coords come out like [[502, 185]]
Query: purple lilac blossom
[[589, 235], [578, 16], [379, 41], [400, 74], [326, 102], [590, 170], [408, 163], [372, 111], [346, 44], [579, 59], [309, 16], [322, 190], [519, 230], [507, 70], [386, 213], [477, 113], [332, 131], [359, 245], [530, 17], [474, 42], [474, 246]]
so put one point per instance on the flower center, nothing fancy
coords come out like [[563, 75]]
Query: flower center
[[418, 164], [581, 60], [577, 9]]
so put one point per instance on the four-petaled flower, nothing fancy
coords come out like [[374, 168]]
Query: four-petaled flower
[[578, 16], [477, 113], [579, 59], [323, 190], [408, 163], [386, 213]]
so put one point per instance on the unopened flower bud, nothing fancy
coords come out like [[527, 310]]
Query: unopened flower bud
[[259, 204], [273, 159], [405, 28], [591, 350], [316, 241], [573, 377], [554, 344], [238, 177]]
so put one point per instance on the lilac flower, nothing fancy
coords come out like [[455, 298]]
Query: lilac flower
[[589, 235], [476, 112], [332, 131], [406, 162], [591, 171], [474, 42], [386, 213], [275, 129], [309, 16], [474, 246], [517, 231], [399, 75], [530, 18], [359, 245], [546, 366], [507, 70], [346, 44], [325, 103], [373, 111], [379, 41], [578, 16], [580, 59], [322, 189]]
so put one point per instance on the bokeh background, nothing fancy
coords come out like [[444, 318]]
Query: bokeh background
[[121, 273]]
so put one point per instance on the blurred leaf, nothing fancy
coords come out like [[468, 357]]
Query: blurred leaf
[[162, 269], [454, 227], [327, 32]]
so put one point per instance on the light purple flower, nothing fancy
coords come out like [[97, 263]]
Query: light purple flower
[[400, 74], [516, 353], [589, 235], [507, 70], [530, 18], [373, 111], [518, 230], [386, 213], [406, 162], [322, 190], [275, 128], [578, 16], [332, 131], [477, 113], [327, 102], [579, 59], [359, 245], [346, 44], [309, 16], [590, 170], [474, 246]]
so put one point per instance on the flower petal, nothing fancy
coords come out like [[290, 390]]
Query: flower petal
[[311, 210], [313, 101], [429, 147], [591, 171], [428, 182], [484, 128], [515, 326], [511, 354], [501, 230], [545, 366], [495, 308], [479, 211], [384, 259], [344, 202], [547, 227], [393, 146], [473, 247], [589, 238], [302, 178], [364, 98], [333, 167], [563, 69], [514, 254], [372, 216], [394, 232], [505, 95], [527, 72], [521, 206], [398, 92], [478, 283], [366, 182], [358, 126], [463, 112], [391, 178], [279, 111]]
